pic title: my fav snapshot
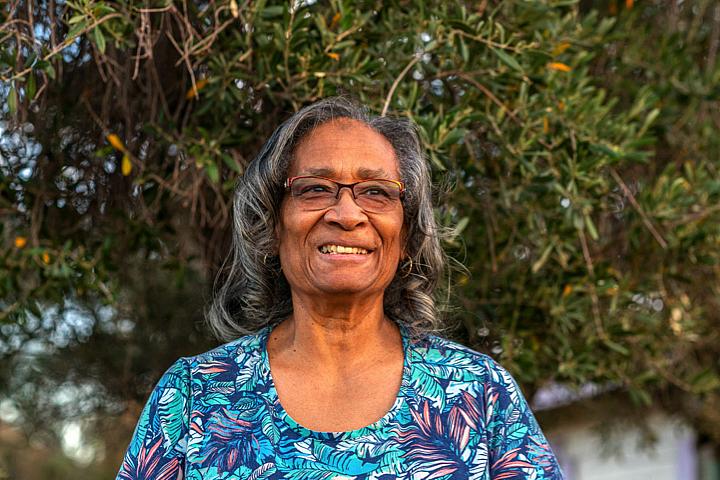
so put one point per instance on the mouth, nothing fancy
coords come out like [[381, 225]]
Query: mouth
[[332, 249]]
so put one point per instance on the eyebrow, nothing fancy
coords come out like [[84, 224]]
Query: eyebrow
[[361, 172]]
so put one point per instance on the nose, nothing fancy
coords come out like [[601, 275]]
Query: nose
[[345, 213]]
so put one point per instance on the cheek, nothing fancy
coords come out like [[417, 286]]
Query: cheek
[[396, 237]]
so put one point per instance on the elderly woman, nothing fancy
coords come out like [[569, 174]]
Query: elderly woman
[[335, 371]]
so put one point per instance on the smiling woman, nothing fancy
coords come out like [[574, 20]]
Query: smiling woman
[[333, 367]]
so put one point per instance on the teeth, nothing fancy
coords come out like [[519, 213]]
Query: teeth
[[335, 249]]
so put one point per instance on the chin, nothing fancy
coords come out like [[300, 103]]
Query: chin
[[348, 285], [344, 288]]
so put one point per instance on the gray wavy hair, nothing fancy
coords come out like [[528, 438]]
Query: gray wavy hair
[[250, 291]]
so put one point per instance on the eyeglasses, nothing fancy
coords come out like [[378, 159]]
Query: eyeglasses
[[375, 195]]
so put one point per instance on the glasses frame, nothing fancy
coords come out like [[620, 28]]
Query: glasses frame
[[289, 181]]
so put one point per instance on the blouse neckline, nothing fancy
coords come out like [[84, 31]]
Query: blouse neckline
[[282, 417]]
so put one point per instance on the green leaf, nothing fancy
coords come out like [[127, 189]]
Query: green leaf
[[616, 347], [31, 86], [599, 148], [464, 51], [99, 39], [591, 228], [705, 381], [543, 258], [50, 71], [508, 60], [273, 11], [76, 19], [649, 120], [461, 225], [75, 31], [212, 172], [453, 136], [103, 9], [230, 162], [12, 101]]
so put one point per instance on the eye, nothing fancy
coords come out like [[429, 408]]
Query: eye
[[315, 188], [375, 192], [374, 189], [312, 188]]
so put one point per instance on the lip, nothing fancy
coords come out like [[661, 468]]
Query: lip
[[345, 258]]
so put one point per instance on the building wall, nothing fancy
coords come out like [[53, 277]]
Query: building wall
[[585, 454]]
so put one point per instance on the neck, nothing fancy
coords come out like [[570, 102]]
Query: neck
[[335, 335]]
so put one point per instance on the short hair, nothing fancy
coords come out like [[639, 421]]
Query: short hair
[[250, 291]]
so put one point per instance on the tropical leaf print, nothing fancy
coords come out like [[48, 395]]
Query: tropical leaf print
[[315, 455], [463, 420], [150, 463], [171, 412], [230, 442], [141, 431], [269, 429], [510, 465], [250, 370], [458, 368], [369, 445], [478, 467], [458, 415], [264, 471], [221, 387], [212, 368], [434, 443], [516, 432], [428, 387], [538, 451], [309, 474], [196, 434]]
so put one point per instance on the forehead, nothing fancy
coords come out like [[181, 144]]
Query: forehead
[[345, 149]]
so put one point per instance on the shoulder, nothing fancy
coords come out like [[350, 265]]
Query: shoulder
[[234, 365], [235, 351], [434, 350]]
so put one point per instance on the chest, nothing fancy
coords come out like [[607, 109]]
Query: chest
[[339, 403], [236, 444]]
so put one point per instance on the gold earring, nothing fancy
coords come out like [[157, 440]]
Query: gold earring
[[405, 274]]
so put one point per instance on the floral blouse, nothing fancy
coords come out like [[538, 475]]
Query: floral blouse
[[458, 415]]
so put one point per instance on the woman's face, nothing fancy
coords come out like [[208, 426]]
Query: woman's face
[[346, 151]]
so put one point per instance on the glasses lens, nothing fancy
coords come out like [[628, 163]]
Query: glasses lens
[[377, 195], [314, 192]]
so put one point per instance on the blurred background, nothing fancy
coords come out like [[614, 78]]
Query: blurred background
[[577, 141]]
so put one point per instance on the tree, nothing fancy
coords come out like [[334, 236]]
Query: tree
[[589, 233]]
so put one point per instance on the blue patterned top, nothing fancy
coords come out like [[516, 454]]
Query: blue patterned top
[[458, 415]]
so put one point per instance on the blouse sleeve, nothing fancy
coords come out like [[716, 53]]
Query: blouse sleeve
[[157, 448], [518, 450]]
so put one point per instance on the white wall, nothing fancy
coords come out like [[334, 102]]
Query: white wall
[[584, 456]]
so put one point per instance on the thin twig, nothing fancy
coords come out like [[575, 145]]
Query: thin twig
[[694, 217], [490, 95], [415, 59], [639, 209], [153, 10], [487, 42], [63, 45], [491, 245], [591, 286]]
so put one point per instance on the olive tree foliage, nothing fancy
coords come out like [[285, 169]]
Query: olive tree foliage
[[668, 53], [584, 194]]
